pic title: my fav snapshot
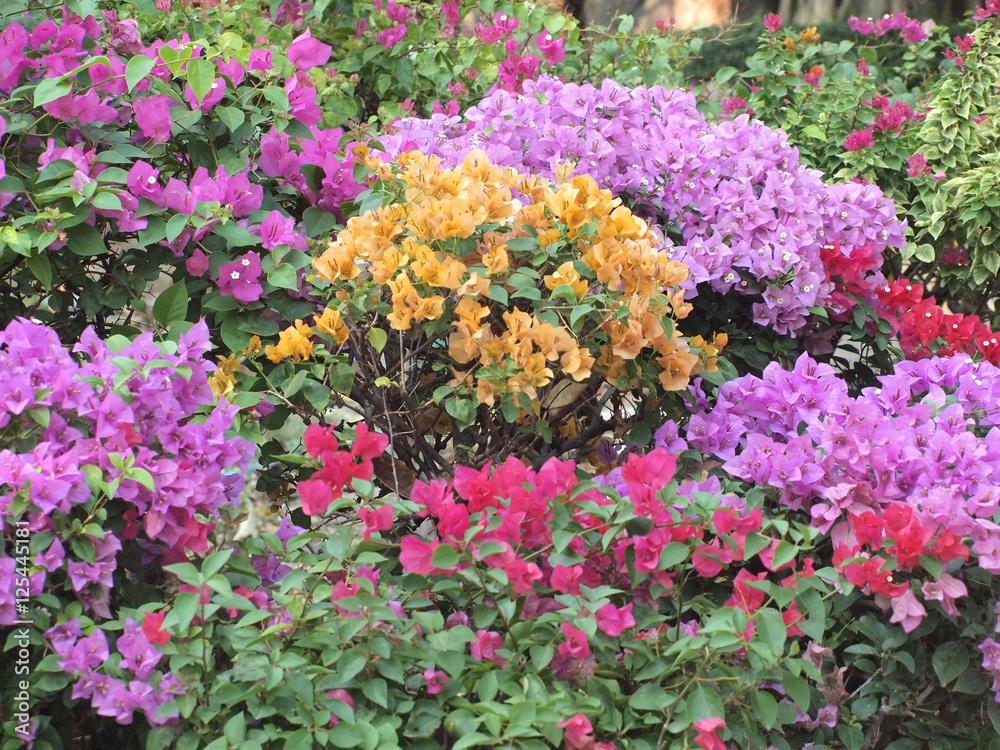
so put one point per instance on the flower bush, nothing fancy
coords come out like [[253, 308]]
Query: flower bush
[[507, 325], [113, 466], [732, 196], [127, 161], [921, 131], [582, 491], [900, 481]]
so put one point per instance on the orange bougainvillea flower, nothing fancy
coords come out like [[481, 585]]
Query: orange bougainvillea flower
[[809, 36], [293, 344], [331, 324], [442, 250]]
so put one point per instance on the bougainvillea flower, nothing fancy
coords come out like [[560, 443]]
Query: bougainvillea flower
[[152, 628], [305, 52], [707, 737], [239, 278]]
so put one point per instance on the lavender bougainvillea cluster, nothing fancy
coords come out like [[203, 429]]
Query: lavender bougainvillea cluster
[[116, 439], [921, 451], [749, 218]]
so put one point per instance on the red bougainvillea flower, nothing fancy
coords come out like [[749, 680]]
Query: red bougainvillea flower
[[152, 628], [706, 737]]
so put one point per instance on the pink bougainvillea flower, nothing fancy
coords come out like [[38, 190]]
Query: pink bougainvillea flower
[[907, 611], [613, 621], [152, 115], [390, 37], [772, 22], [484, 648], [261, 60], [152, 628], [452, 13], [305, 52], [368, 445], [576, 644], [415, 555], [376, 520], [859, 139], [551, 48], [317, 496], [576, 732], [239, 278], [320, 442], [436, 680], [706, 737]]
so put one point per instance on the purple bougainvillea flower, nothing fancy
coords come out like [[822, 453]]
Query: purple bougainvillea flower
[[239, 278], [261, 60], [305, 52], [277, 229], [152, 115]]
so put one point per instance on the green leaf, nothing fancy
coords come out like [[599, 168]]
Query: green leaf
[[797, 689], [231, 117], [813, 131], [51, 89], [771, 630], [766, 707], [949, 661], [725, 73], [376, 691], [346, 735], [84, 240], [445, 557], [137, 69], [377, 337], [175, 226], [673, 554], [236, 235], [200, 76], [172, 304], [705, 703], [41, 269], [317, 221], [784, 553], [649, 697], [284, 277]]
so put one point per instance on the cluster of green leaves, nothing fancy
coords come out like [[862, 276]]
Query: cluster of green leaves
[[961, 135]]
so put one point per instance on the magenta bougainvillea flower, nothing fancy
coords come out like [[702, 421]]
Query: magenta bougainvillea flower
[[305, 52], [239, 278]]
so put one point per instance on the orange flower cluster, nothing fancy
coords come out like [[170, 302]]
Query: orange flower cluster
[[440, 249], [293, 343]]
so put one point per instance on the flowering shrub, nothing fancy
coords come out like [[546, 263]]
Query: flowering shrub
[[113, 467], [733, 195], [511, 325], [124, 161], [542, 610], [922, 132], [900, 478]]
